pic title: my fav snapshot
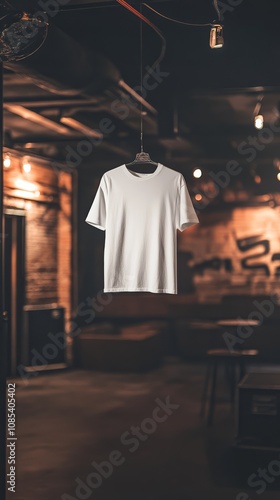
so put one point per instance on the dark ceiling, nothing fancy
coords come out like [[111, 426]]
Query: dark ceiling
[[201, 101]]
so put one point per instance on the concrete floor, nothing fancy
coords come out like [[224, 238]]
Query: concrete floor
[[67, 420]]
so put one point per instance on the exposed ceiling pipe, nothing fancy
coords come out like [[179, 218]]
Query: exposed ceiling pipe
[[34, 117], [51, 68], [81, 127], [53, 102], [138, 97]]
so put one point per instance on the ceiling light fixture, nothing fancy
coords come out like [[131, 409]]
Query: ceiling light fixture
[[216, 33], [216, 37], [258, 117]]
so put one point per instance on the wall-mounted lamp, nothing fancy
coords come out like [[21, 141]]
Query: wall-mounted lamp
[[26, 166], [7, 160]]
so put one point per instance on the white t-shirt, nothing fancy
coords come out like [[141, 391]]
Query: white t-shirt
[[141, 214]]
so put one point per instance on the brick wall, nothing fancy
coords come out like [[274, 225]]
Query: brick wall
[[64, 244], [41, 255], [48, 231]]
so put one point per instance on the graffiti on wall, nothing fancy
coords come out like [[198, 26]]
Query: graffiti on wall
[[252, 261], [233, 252]]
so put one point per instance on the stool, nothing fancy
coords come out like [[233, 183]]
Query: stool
[[232, 360]]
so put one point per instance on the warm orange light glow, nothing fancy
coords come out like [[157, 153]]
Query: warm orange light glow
[[278, 176], [28, 205], [26, 167], [258, 179], [20, 193], [26, 185], [198, 197]]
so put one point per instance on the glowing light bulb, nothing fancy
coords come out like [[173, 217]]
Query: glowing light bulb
[[7, 161], [26, 167], [197, 173], [278, 176], [198, 197], [259, 122]]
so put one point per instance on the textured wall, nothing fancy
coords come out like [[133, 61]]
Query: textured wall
[[231, 252], [41, 255], [48, 231]]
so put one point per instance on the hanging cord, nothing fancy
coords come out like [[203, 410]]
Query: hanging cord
[[134, 11], [141, 80], [215, 3], [155, 64], [149, 23]]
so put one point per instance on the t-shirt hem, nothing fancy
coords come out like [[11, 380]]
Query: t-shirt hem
[[156, 290], [187, 224], [95, 224]]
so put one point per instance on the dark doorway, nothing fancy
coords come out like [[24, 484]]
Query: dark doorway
[[14, 276]]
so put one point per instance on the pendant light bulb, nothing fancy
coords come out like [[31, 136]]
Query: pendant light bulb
[[259, 122], [216, 37]]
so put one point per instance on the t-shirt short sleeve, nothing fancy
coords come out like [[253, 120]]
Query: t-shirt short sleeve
[[186, 215], [97, 213]]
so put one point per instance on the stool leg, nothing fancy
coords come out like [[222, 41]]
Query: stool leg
[[212, 395], [205, 391]]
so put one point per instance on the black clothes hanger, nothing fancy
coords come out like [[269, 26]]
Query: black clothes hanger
[[142, 162]]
